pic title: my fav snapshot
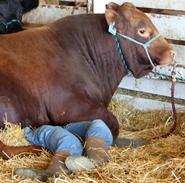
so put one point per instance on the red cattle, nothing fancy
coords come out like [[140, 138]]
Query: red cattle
[[68, 71]]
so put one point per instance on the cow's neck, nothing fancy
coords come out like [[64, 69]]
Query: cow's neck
[[104, 56], [88, 38]]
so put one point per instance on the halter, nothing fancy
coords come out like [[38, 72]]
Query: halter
[[8, 23], [114, 32]]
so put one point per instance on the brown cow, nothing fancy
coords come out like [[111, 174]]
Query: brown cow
[[68, 71]]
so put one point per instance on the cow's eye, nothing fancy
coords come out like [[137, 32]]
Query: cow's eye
[[141, 31]]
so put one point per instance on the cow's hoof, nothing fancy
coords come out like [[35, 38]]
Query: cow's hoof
[[32, 173], [124, 142], [78, 163]]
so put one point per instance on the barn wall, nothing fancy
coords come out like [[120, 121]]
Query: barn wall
[[51, 10]]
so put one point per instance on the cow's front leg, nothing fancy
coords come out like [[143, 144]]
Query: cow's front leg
[[7, 152], [55, 167]]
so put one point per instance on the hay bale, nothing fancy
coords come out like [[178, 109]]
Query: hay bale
[[161, 161]]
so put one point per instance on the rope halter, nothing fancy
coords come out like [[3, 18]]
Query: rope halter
[[7, 24], [114, 32]]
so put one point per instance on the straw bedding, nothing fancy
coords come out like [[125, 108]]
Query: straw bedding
[[162, 160]]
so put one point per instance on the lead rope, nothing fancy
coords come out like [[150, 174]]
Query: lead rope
[[174, 112], [173, 81]]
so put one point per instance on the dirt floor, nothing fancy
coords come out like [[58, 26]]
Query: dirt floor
[[162, 160]]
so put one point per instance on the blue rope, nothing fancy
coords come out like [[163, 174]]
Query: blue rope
[[114, 32], [168, 76], [144, 45], [6, 24], [123, 61]]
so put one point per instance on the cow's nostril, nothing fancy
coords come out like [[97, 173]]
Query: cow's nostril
[[173, 53]]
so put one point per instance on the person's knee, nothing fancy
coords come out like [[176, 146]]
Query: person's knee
[[71, 144], [99, 129], [55, 139]]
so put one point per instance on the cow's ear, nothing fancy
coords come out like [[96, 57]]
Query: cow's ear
[[111, 16], [128, 5], [29, 4], [112, 6]]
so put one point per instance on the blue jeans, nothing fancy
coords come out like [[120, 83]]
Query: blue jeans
[[57, 138]]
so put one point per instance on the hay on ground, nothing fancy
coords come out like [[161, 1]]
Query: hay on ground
[[160, 161]]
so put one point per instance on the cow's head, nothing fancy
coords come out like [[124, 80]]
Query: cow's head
[[134, 23], [11, 12]]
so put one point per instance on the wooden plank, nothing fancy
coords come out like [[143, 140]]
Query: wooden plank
[[99, 5], [167, 25], [159, 87], [49, 13], [90, 6], [171, 27], [73, 3], [80, 1], [180, 51], [144, 104], [48, 1]]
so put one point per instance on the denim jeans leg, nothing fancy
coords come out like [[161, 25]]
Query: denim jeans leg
[[95, 128], [78, 128], [98, 128], [55, 139]]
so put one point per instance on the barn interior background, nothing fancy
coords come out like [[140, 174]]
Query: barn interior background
[[162, 160], [51, 10]]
